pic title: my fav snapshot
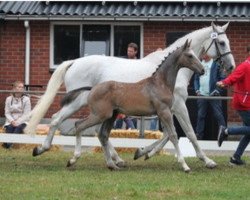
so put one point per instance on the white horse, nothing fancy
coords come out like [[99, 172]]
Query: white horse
[[91, 70]]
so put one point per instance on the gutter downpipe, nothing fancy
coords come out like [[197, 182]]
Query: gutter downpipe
[[27, 53]]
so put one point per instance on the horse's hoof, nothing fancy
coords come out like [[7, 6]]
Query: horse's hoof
[[187, 170], [35, 152], [211, 165], [137, 154]]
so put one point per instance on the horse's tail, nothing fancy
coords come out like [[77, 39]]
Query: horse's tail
[[46, 100]]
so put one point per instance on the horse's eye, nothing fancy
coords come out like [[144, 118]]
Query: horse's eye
[[190, 56], [222, 43]]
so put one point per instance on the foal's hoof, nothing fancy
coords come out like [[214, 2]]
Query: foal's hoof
[[137, 154], [146, 157], [113, 167], [35, 152], [69, 164], [121, 164]]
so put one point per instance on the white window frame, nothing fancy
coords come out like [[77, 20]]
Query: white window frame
[[112, 24]]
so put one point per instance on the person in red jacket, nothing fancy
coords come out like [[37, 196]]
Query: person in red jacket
[[239, 78]]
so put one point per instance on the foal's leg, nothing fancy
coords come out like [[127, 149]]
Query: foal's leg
[[167, 119], [58, 118], [180, 111], [105, 131], [81, 125], [144, 150]]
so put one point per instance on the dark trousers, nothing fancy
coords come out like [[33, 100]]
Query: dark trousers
[[14, 130], [203, 106], [242, 130]]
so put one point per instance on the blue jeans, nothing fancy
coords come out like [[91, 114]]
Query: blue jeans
[[128, 121], [13, 129], [242, 130], [153, 124], [203, 106]]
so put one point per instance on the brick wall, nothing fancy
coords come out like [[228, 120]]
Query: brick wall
[[12, 50]]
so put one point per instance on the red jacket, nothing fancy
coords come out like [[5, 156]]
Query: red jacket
[[240, 78]]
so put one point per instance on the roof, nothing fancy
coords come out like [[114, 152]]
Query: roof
[[129, 10]]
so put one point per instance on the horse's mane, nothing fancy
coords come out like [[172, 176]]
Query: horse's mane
[[157, 56], [165, 58]]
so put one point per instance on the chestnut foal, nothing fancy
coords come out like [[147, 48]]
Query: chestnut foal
[[153, 95]]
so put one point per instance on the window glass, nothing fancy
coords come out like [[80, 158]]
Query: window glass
[[66, 42], [123, 35], [96, 40]]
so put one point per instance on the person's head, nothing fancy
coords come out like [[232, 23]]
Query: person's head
[[248, 49], [18, 88], [132, 50]]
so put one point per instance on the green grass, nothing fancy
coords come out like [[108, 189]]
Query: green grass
[[46, 177]]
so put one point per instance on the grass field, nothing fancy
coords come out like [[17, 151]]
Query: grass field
[[46, 177]]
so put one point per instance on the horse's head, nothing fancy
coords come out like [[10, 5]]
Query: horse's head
[[217, 46], [189, 60]]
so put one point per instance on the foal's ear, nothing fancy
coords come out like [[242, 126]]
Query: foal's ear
[[186, 45]]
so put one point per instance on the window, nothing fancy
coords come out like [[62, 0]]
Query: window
[[66, 43], [123, 35], [78, 40], [96, 40]]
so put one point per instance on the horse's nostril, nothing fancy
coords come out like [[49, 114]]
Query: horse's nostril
[[202, 71], [231, 67]]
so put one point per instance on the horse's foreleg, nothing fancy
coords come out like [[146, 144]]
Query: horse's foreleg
[[58, 118], [167, 120], [180, 111]]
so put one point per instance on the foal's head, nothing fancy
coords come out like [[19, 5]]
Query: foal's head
[[189, 60]]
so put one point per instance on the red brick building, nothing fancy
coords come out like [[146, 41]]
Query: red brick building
[[37, 36]]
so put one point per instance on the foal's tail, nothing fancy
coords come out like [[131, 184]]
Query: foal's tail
[[46, 100]]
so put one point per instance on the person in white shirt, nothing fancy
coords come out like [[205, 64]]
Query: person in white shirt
[[205, 85], [17, 110]]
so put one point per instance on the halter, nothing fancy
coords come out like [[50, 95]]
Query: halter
[[214, 37]]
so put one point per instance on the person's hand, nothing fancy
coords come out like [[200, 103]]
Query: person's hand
[[198, 93], [14, 123], [220, 84]]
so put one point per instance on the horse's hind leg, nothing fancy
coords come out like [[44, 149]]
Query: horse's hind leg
[[58, 118], [167, 119], [181, 113]]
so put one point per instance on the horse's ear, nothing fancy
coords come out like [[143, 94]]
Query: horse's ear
[[189, 44], [224, 27], [185, 45], [214, 27]]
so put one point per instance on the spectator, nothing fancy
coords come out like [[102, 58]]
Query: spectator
[[205, 85], [239, 78], [17, 110], [131, 123]]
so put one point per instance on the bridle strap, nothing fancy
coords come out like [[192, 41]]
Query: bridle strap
[[219, 54]]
